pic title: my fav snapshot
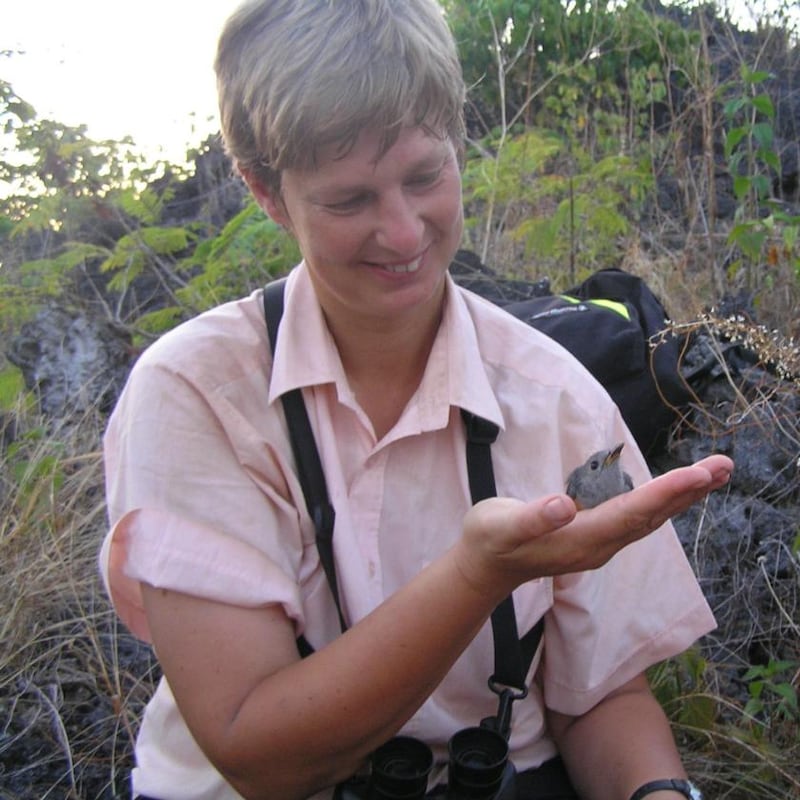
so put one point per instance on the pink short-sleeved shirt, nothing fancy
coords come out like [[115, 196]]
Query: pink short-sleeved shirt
[[203, 499]]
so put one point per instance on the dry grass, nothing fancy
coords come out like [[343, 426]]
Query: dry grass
[[73, 684]]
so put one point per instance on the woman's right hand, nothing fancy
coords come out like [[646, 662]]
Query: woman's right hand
[[508, 542]]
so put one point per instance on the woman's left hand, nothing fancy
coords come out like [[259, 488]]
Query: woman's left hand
[[505, 542]]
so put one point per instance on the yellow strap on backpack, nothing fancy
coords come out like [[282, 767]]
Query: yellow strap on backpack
[[611, 305]]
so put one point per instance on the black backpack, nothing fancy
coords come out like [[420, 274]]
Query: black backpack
[[618, 329]]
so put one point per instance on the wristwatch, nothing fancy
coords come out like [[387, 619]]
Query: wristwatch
[[686, 788]]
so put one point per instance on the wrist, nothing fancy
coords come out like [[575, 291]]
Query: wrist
[[667, 789], [664, 794], [474, 569]]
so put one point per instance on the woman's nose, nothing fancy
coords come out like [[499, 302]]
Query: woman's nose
[[400, 225]]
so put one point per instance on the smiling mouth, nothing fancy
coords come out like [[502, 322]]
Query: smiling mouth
[[403, 269], [413, 266]]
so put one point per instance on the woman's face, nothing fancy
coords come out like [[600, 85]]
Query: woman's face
[[377, 235]]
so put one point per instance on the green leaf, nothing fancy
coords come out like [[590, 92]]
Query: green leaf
[[133, 250], [762, 186], [698, 711], [77, 253], [763, 135], [753, 76], [763, 104], [160, 321], [733, 107], [787, 693], [752, 707], [144, 206], [771, 159], [23, 111], [741, 186], [165, 241], [756, 688], [783, 665], [12, 385], [732, 139], [753, 672], [749, 239]]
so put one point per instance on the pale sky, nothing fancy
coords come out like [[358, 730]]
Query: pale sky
[[142, 69]]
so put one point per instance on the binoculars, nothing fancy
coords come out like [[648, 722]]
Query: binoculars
[[478, 769]]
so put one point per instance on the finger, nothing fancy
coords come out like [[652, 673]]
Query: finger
[[680, 488], [720, 467], [549, 537], [647, 507], [503, 523], [505, 540]]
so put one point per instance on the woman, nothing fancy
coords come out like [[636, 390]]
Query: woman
[[345, 120]]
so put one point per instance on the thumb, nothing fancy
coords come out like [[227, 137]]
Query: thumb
[[501, 524], [496, 533]]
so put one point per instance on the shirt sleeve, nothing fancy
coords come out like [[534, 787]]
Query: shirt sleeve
[[199, 491], [606, 626], [645, 605]]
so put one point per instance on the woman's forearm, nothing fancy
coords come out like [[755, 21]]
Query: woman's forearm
[[622, 743], [280, 727]]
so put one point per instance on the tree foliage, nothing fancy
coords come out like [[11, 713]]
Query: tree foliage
[[578, 114]]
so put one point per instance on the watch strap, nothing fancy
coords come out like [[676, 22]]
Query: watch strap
[[669, 784]]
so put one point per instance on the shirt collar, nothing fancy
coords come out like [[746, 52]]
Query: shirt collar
[[468, 383], [455, 375], [306, 354]]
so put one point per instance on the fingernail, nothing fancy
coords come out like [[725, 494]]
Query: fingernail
[[723, 475], [559, 510]]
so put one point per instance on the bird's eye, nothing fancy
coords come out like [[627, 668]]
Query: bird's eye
[[595, 463]]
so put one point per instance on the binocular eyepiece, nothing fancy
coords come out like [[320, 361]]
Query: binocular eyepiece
[[478, 763], [400, 769], [478, 769]]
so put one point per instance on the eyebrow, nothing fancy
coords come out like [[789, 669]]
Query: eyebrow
[[326, 194]]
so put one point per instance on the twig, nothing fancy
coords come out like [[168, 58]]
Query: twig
[[786, 615], [60, 730]]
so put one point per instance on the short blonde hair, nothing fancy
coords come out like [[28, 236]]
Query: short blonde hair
[[294, 76]]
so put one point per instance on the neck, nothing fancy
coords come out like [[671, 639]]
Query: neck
[[385, 360]]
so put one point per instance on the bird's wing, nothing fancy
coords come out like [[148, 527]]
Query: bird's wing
[[572, 487]]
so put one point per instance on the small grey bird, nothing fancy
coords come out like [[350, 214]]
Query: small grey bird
[[600, 478]]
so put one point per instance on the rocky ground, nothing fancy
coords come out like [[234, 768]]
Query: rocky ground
[[65, 736], [68, 717]]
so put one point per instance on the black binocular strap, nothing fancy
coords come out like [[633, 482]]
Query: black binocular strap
[[513, 655], [306, 455]]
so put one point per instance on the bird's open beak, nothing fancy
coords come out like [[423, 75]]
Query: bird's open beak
[[613, 455]]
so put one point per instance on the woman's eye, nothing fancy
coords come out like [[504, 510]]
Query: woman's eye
[[425, 178], [348, 204]]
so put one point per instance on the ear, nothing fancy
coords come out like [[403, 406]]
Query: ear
[[268, 199]]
